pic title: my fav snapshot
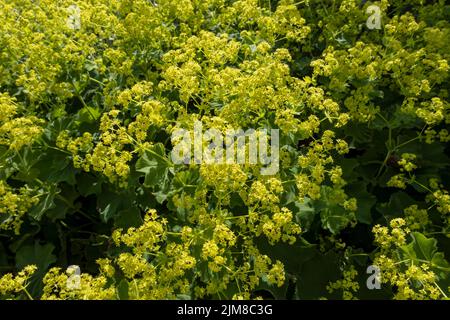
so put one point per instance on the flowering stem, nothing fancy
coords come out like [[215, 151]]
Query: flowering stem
[[27, 293]]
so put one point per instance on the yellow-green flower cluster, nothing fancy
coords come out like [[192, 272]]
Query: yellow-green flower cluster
[[122, 76], [316, 165], [398, 181], [347, 284], [416, 218], [152, 272], [12, 286], [107, 155], [406, 162], [412, 281], [14, 204], [90, 287], [16, 131], [224, 178], [396, 236]]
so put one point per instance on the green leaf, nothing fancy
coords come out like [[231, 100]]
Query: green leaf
[[88, 114], [359, 132], [316, 273], [55, 166], [154, 165], [440, 266], [122, 289], [304, 213], [279, 293], [46, 203], [186, 180], [40, 255], [424, 250], [334, 219], [110, 203], [62, 203], [364, 199], [145, 200], [423, 247], [130, 217], [348, 166], [333, 216], [160, 196], [3, 256], [24, 162], [88, 184], [90, 65], [37, 254], [6, 169], [293, 256], [397, 203]]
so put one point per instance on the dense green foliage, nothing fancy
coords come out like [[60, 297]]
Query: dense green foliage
[[91, 94]]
